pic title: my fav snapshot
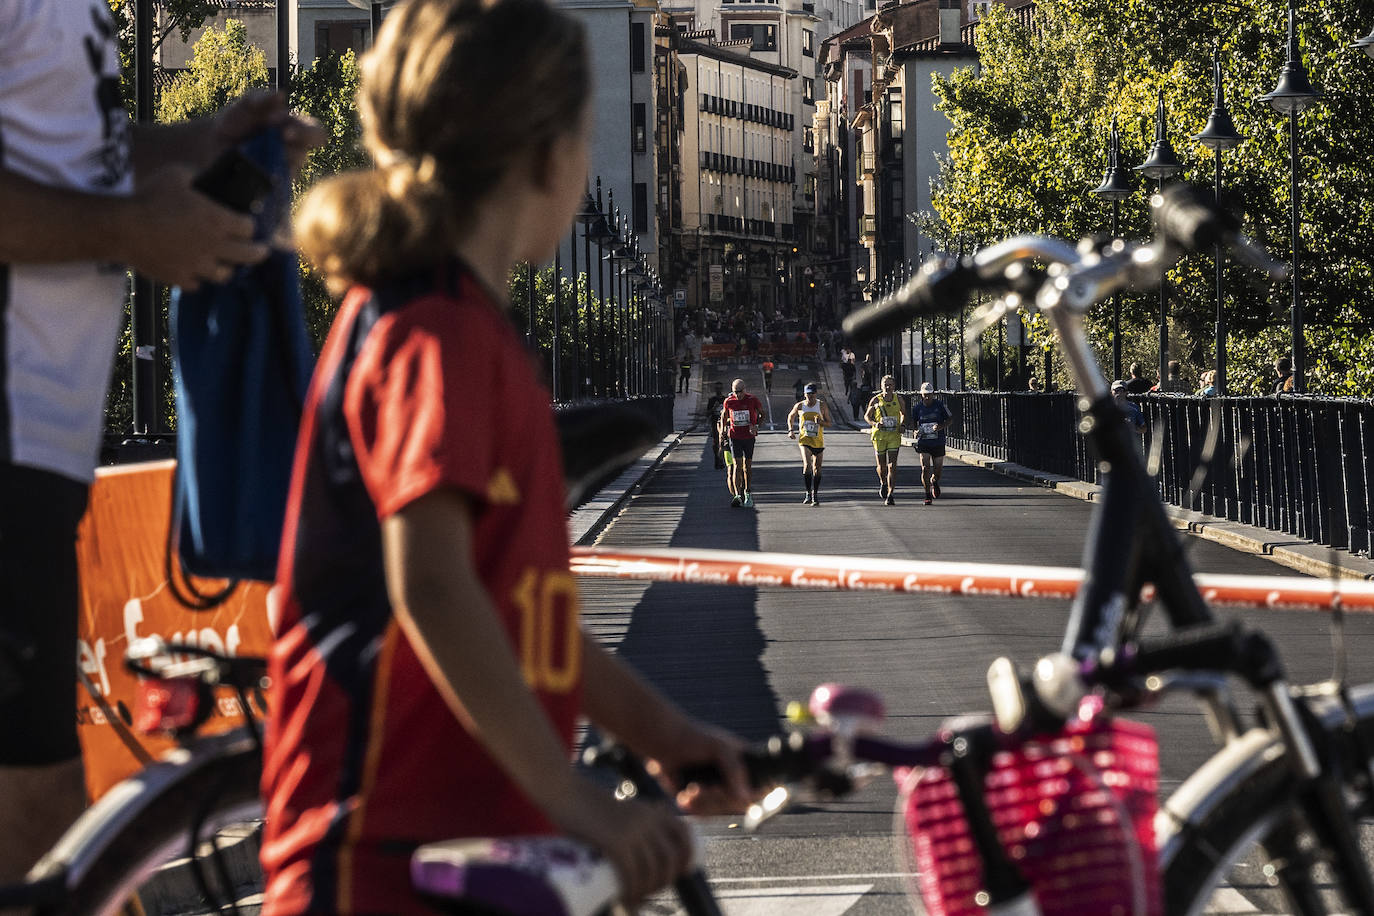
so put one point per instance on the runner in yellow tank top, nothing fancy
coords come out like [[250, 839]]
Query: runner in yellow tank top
[[806, 423], [885, 419]]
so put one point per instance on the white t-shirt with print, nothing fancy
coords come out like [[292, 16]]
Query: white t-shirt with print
[[61, 124]]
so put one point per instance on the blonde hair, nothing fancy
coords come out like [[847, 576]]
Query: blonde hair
[[452, 95]]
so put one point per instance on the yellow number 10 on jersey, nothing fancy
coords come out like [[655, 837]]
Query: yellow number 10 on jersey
[[550, 637]]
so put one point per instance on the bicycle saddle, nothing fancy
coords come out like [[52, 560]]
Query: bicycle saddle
[[519, 876]]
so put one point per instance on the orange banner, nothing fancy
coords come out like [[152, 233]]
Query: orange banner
[[121, 547]]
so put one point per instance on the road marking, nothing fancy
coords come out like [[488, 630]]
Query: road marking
[[866, 876], [822, 900], [1229, 900]]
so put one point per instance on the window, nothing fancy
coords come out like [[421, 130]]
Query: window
[[641, 207], [639, 126], [340, 36], [765, 36], [894, 113], [808, 90], [637, 56], [808, 43], [809, 139]]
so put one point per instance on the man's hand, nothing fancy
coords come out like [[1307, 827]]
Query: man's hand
[[253, 111], [180, 237]]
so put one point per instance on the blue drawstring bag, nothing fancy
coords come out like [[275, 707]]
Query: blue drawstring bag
[[242, 360]]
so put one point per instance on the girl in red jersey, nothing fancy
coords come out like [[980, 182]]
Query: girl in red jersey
[[429, 664]]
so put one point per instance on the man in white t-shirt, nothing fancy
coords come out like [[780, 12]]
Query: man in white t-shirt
[[83, 193]]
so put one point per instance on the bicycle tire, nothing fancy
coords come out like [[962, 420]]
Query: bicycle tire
[[1244, 795], [146, 822]]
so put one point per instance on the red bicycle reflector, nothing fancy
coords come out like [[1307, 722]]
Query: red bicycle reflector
[[165, 706]]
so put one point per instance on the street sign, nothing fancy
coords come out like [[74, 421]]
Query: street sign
[[679, 298], [717, 276]]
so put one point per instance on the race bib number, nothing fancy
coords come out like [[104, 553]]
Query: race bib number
[[739, 418], [889, 423], [928, 430], [810, 428]]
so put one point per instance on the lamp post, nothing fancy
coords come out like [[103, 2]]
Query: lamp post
[[1159, 165], [1294, 94], [1116, 186], [1219, 134], [1365, 44]]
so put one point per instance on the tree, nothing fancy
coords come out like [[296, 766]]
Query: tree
[[223, 67], [1027, 139]]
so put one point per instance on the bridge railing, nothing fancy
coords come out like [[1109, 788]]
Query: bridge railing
[[1295, 464]]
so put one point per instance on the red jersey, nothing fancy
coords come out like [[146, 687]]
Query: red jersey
[[742, 414], [364, 760]]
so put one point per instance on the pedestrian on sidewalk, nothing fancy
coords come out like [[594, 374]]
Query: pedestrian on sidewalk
[[1137, 383], [713, 408], [930, 417], [847, 372], [806, 423], [684, 375], [740, 415], [885, 420], [1130, 412], [768, 376]]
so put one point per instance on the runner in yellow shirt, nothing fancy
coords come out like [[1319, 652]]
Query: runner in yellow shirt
[[806, 423], [885, 419]]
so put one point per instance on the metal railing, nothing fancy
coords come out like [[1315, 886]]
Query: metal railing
[[1294, 464]]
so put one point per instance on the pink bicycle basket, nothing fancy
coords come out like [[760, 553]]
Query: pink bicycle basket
[[1058, 802]]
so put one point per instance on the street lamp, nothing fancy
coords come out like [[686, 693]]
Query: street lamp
[[1366, 43], [1294, 94], [1219, 134], [1116, 186], [1159, 165]]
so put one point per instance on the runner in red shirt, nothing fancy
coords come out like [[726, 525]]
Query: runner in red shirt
[[741, 417], [430, 665]]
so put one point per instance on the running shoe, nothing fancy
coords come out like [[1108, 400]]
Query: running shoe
[[806, 500], [748, 501], [734, 502], [890, 501], [935, 489], [815, 500], [928, 500], [882, 492]]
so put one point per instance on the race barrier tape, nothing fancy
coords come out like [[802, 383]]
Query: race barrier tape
[[787, 570]]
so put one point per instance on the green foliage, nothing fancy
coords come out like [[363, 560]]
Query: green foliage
[[1027, 145], [224, 67], [174, 16], [327, 92]]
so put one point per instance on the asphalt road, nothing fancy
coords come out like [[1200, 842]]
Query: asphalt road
[[736, 656]]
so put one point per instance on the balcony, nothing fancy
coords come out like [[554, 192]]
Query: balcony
[[868, 229], [868, 162]]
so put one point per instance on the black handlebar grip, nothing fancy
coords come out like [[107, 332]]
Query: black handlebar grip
[[939, 287], [1217, 647], [1194, 220], [782, 759]]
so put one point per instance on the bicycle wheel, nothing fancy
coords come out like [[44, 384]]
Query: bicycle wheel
[[1234, 837], [119, 845]]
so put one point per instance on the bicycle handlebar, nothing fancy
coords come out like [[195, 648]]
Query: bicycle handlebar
[[1185, 220]]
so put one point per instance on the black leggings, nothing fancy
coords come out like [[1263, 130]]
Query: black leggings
[[39, 513]]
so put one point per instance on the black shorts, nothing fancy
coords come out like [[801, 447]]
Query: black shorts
[[39, 512], [812, 450], [933, 449], [742, 448]]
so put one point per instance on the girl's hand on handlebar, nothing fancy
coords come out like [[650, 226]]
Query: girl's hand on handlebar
[[649, 844], [704, 744]]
